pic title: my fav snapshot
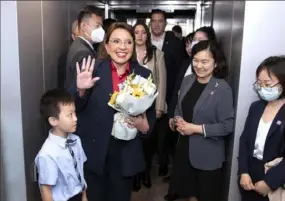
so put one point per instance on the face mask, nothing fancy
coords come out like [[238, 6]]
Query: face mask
[[97, 35], [269, 94], [194, 42]]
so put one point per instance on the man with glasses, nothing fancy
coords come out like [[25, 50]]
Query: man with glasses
[[90, 31]]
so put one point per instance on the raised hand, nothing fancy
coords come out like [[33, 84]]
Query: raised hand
[[84, 78]]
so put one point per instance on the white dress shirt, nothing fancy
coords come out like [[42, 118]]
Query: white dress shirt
[[262, 132], [56, 166], [158, 42]]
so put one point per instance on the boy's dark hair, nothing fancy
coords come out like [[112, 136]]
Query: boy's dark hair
[[87, 12], [51, 100]]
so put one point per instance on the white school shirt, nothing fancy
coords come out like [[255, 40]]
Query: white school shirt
[[56, 166]]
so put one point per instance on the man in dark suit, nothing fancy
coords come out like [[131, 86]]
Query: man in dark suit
[[173, 53], [90, 31], [62, 59]]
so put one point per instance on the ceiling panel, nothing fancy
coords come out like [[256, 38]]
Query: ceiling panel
[[147, 2]]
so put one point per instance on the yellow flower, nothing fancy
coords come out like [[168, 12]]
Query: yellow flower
[[138, 93], [135, 86], [113, 98]]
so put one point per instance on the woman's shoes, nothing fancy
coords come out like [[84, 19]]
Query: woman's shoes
[[146, 179], [136, 183]]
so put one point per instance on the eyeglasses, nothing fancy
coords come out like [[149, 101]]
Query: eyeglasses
[[257, 86], [119, 42]]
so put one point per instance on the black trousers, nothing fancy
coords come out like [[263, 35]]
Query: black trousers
[[162, 140], [112, 185], [77, 197]]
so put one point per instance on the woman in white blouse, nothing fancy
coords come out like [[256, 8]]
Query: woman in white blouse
[[153, 59], [263, 137]]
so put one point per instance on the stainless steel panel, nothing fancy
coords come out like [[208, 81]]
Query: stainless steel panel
[[228, 23], [207, 14], [32, 85], [55, 38], [150, 2], [13, 177], [264, 15], [41, 30]]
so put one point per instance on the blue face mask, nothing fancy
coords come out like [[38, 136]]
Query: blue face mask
[[269, 94]]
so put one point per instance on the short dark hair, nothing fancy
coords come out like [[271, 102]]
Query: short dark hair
[[51, 100], [274, 65], [87, 12], [190, 37], [177, 29], [221, 69], [158, 11], [209, 31]]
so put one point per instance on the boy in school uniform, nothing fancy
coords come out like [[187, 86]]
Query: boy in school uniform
[[60, 160]]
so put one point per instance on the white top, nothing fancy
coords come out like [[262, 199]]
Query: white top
[[189, 71], [158, 43], [262, 132], [56, 166]]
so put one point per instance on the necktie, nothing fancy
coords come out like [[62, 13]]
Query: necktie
[[69, 143]]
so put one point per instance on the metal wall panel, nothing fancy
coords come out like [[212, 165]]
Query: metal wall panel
[[32, 85], [228, 23], [235, 24], [11, 114], [41, 31], [255, 48], [55, 38]]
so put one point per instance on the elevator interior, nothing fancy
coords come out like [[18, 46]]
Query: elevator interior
[[35, 33]]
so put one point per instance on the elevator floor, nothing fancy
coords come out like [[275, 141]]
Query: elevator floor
[[156, 192]]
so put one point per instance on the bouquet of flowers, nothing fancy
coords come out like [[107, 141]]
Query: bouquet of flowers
[[136, 94]]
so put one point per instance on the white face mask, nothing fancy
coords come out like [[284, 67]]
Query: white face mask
[[97, 35], [194, 42]]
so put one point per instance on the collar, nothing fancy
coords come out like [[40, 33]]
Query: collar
[[113, 67], [161, 38], [87, 42], [60, 141]]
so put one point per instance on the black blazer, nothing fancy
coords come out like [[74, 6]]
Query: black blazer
[[78, 50], [173, 55], [61, 70], [95, 121], [274, 145], [180, 77]]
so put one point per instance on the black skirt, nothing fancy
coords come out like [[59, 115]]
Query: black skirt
[[187, 181]]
